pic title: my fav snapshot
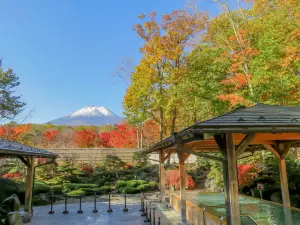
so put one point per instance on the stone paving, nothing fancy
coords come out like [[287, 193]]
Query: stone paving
[[132, 217], [117, 217]]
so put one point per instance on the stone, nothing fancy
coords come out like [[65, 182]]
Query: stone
[[14, 218]]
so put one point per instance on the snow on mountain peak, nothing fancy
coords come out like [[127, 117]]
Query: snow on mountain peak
[[92, 111]]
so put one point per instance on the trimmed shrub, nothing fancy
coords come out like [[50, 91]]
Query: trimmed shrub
[[76, 193], [68, 187], [57, 189], [105, 189], [121, 183], [40, 188], [153, 184], [98, 191], [135, 183], [88, 191], [143, 187], [131, 190]]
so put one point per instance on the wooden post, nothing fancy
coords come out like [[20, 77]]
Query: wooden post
[[233, 182], [226, 190], [29, 184], [280, 152], [162, 177], [221, 141], [182, 191], [284, 183], [285, 191]]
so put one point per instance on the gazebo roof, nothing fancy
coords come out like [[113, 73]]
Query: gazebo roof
[[13, 149], [270, 123], [258, 116]]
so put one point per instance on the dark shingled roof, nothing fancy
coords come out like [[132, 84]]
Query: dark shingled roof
[[260, 118], [257, 115], [10, 148]]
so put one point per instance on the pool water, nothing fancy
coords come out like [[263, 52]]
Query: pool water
[[263, 212]]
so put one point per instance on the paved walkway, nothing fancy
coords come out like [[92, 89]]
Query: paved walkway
[[117, 217]]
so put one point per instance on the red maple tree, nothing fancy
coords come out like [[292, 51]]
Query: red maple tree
[[246, 173], [51, 135], [124, 136], [13, 133], [85, 138], [172, 180]]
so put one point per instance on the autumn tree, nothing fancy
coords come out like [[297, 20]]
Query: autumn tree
[[124, 136], [86, 138], [14, 132], [50, 137], [10, 104], [153, 90]]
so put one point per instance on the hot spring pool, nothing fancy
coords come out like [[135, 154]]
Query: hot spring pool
[[263, 212]]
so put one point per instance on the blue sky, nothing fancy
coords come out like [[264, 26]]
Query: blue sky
[[65, 51]]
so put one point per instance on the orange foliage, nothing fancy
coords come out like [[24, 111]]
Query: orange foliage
[[233, 99], [123, 137], [238, 80], [13, 133], [246, 173], [51, 135], [86, 138], [150, 132], [172, 180]]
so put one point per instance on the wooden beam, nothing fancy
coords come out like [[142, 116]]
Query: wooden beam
[[29, 184], [244, 144], [233, 182], [162, 177], [23, 160], [203, 155], [273, 150], [166, 156]]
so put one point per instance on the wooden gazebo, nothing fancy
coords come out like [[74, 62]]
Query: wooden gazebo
[[27, 155], [260, 127]]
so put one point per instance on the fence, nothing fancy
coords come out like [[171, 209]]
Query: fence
[[97, 155], [93, 155]]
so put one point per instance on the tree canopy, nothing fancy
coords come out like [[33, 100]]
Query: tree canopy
[[195, 67], [10, 104]]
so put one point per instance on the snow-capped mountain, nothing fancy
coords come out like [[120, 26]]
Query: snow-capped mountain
[[89, 115]]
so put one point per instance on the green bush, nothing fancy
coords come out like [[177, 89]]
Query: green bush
[[121, 183], [57, 189], [105, 189], [41, 188], [7, 188], [68, 187], [98, 191], [131, 190], [88, 191], [135, 183], [76, 193], [153, 184]]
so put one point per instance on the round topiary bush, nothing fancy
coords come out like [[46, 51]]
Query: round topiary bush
[[131, 190], [76, 193]]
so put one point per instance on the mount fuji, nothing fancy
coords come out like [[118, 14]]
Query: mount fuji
[[90, 116]]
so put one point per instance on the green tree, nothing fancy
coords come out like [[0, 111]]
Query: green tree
[[10, 104]]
